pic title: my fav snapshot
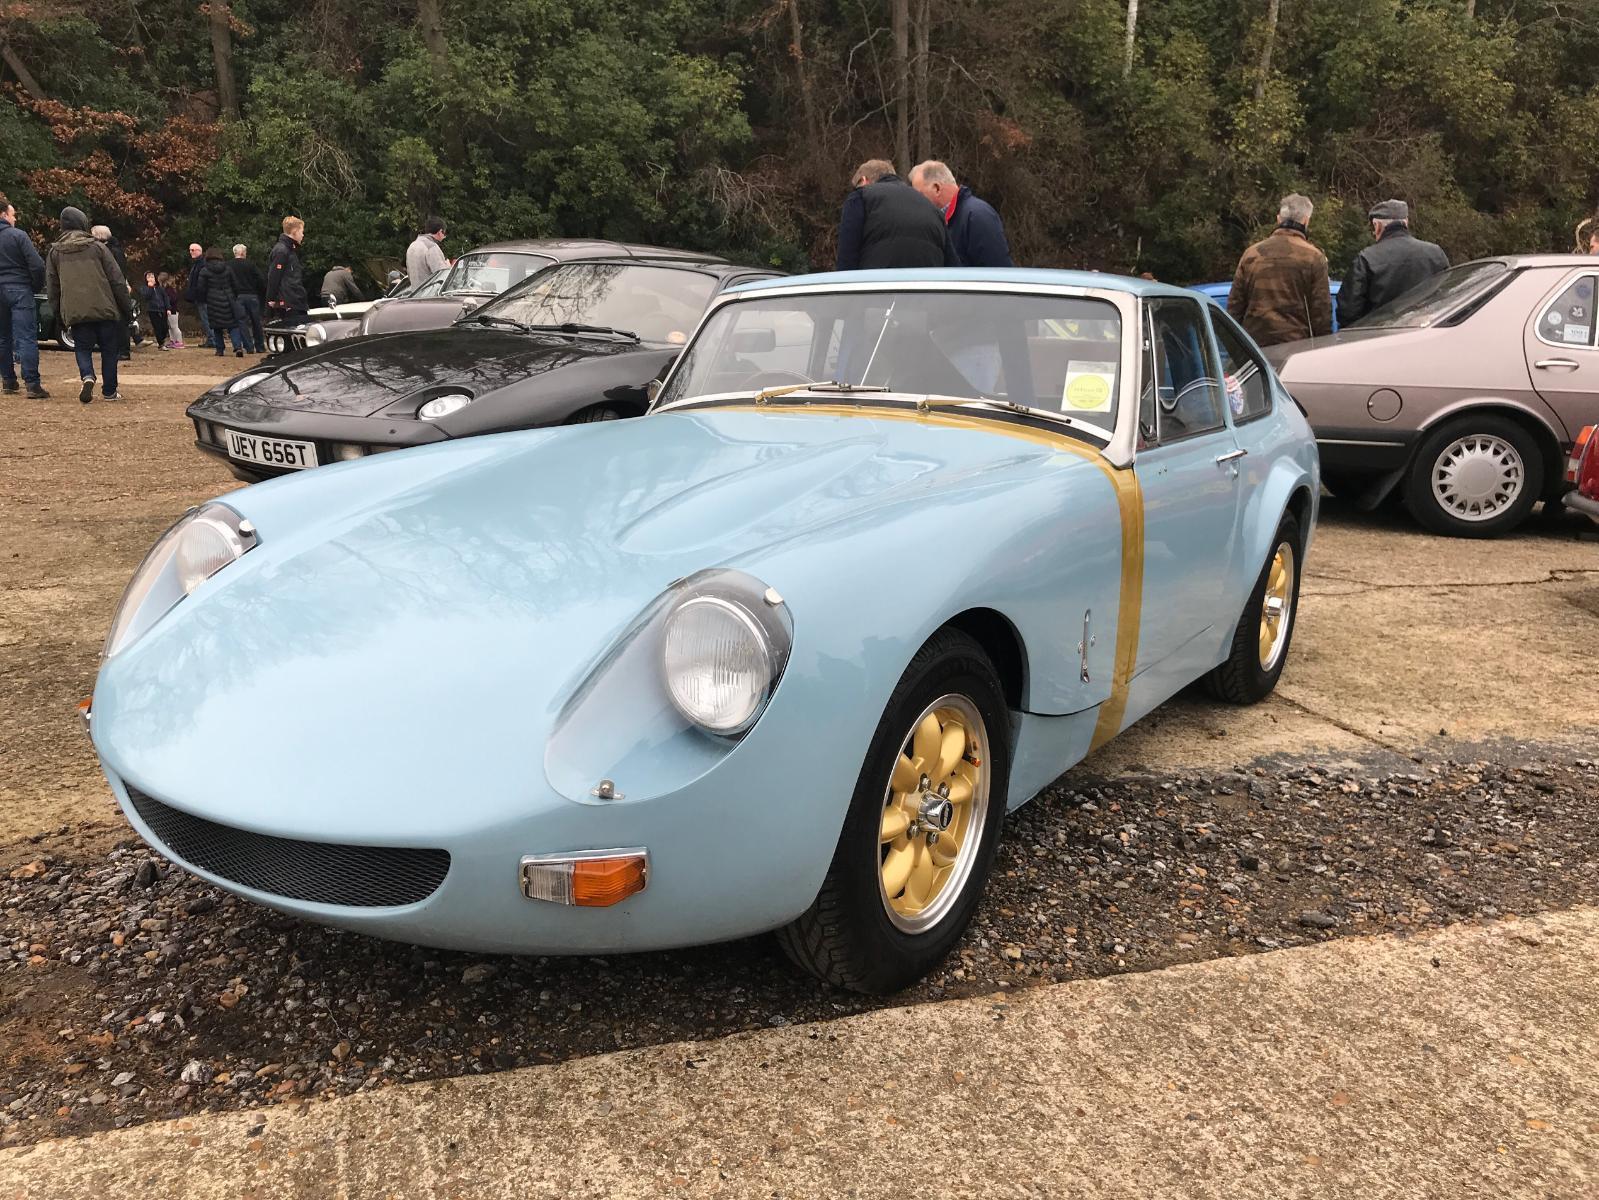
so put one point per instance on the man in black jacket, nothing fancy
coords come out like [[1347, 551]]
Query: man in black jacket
[[195, 294], [21, 276], [1394, 263], [285, 287], [884, 223], [976, 233], [249, 285]]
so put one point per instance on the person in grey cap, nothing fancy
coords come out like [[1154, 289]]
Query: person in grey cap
[[1395, 262]]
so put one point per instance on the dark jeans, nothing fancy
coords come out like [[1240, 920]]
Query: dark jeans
[[19, 334], [295, 317], [89, 336], [237, 334], [205, 324], [249, 311]]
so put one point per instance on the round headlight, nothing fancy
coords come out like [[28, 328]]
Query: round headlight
[[250, 380], [718, 663], [205, 546], [443, 406], [316, 334]]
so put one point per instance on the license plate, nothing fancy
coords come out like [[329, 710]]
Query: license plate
[[270, 452]]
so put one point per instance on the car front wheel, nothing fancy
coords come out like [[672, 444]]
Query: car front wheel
[[1477, 476], [64, 337], [919, 837]]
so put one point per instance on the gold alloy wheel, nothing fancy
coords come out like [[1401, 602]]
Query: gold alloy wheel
[[934, 811], [1276, 607]]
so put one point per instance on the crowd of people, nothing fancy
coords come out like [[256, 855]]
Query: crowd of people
[[1280, 290]]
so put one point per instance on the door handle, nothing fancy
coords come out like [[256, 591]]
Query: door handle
[[1233, 455], [1565, 364]]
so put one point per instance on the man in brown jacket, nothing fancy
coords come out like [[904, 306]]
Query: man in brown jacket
[[89, 295], [1280, 290]]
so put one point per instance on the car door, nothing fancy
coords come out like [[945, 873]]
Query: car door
[[1560, 341], [1188, 470]]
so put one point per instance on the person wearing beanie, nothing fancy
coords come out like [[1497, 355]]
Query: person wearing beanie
[[1395, 262], [21, 276], [221, 300], [91, 297]]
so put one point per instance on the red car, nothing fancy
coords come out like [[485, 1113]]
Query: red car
[[1583, 470]]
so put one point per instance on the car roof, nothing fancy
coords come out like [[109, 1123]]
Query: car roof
[[565, 248], [1020, 278], [1515, 261], [717, 267]]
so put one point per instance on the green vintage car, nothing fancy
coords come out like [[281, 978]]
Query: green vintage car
[[51, 330]]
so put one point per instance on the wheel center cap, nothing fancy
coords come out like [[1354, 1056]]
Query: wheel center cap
[[937, 811], [1478, 478]]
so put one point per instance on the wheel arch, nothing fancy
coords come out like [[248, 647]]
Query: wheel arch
[[1002, 642]]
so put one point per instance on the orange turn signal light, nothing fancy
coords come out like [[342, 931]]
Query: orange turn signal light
[[590, 879], [85, 706], [601, 882]]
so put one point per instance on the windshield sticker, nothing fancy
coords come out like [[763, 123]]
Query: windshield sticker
[[1554, 318], [1576, 333], [1089, 386]]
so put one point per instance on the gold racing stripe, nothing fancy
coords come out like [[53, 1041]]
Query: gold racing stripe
[[1129, 502]]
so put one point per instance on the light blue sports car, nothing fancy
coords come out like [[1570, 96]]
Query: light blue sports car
[[891, 552]]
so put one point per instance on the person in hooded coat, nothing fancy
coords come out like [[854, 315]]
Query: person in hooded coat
[[90, 296], [220, 297]]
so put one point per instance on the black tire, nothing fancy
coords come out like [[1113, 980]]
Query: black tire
[[1431, 512], [599, 412], [1243, 678], [64, 337], [846, 937]]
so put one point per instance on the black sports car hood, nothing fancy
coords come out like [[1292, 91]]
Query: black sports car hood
[[361, 376]]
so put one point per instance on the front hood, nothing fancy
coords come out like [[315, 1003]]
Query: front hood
[[405, 611], [361, 376]]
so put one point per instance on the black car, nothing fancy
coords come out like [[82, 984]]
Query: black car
[[481, 274], [579, 341]]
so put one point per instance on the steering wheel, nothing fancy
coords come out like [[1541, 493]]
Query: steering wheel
[[769, 379]]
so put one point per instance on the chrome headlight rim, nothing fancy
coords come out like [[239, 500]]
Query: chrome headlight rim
[[755, 611], [162, 581], [316, 333]]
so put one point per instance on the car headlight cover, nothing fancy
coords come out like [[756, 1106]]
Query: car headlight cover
[[718, 663], [316, 334], [250, 380], [203, 542], [443, 406]]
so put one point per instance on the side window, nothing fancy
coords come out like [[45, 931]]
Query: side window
[[1569, 320], [1243, 376], [1186, 393]]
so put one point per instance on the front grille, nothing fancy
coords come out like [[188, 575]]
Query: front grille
[[317, 872]]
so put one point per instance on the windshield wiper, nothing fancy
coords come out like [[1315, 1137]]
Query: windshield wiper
[[492, 319], [574, 328], [931, 402], [831, 385]]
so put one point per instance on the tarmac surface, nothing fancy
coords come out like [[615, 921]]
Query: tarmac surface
[[1458, 1063]]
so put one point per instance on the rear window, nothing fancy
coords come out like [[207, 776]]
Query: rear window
[[1448, 297]]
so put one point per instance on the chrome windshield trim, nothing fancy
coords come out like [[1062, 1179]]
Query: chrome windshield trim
[[1119, 451]]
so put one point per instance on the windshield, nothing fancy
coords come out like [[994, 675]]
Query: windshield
[[431, 286], [660, 304], [492, 272], [1429, 302], [1055, 353]]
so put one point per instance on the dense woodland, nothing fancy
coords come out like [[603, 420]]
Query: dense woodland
[[1124, 135]]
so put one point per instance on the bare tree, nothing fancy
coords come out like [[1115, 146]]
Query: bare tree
[[796, 51], [1132, 35], [1266, 49], [430, 23], [1471, 9], [924, 111], [900, 10], [219, 15], [20, 70]]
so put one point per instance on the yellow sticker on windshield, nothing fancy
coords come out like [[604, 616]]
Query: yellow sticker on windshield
[[1089, 386]]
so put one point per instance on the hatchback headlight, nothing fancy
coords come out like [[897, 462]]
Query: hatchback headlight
[[248, 381], [443, 406], [203, 542], [718, 663]]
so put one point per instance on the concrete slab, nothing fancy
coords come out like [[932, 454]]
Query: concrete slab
[[1458, 1065]]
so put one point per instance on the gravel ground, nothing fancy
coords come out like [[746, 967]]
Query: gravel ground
[[130, 991]]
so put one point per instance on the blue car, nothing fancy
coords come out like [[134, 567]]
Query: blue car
[[890, 553], [1220, 291]]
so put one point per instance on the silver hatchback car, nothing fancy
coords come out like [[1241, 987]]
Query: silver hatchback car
[[1465, 394]]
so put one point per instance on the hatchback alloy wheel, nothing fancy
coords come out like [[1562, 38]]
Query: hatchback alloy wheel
[[1478, 477]]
